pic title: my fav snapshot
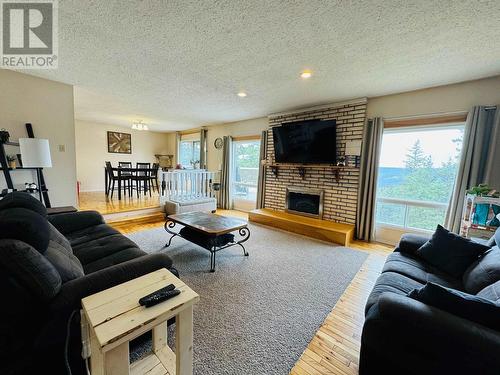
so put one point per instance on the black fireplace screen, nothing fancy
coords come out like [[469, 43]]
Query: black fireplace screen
[[306, 203]]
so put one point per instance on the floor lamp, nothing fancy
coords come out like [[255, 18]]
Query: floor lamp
[[35, 153]]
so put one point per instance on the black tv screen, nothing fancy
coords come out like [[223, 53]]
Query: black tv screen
[[306, 142]]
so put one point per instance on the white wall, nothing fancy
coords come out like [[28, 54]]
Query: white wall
[[450, 98], [48, 105], [92, 151]]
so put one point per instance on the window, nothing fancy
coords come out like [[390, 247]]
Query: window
[[189, 154], [245, 164], [417, 171]]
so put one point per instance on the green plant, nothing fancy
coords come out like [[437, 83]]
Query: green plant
[[11, 158], [483, 190]]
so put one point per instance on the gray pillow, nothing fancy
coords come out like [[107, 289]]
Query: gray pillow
[[30, 268], [60, 254], [483, 272], [491, 292]]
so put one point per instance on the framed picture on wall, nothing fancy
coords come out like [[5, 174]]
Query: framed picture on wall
[[119, 143]]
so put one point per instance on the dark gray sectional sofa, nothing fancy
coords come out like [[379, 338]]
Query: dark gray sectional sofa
[[47, 265], [402, 335]]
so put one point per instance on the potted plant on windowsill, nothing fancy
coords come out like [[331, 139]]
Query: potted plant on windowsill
[[11, 159]]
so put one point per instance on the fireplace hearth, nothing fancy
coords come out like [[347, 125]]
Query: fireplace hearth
[[304, 201]]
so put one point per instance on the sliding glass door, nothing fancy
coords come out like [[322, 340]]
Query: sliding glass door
[[417, 171], [245, 174]]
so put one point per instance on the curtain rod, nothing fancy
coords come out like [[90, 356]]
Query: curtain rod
[[426, 115]]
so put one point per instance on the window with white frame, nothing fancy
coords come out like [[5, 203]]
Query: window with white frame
[[417, 171], [189, 151]]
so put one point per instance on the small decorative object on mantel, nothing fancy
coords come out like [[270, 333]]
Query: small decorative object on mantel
[[11, 159], [353, 149], [119, 143], [4, 136], [218, 143]]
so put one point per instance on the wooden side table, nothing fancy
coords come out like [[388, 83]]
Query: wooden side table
[[114, 317]]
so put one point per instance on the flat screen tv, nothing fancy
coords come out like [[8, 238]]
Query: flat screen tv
[[306, 142]]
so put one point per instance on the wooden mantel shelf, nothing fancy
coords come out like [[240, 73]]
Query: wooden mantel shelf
[[302, 168], [321, 229]]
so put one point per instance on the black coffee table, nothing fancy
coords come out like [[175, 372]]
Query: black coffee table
[[210, 231]]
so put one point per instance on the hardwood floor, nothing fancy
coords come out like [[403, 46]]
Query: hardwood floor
[[334, 349], [98, 201]]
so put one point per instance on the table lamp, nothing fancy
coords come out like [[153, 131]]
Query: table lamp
[[35, 153]]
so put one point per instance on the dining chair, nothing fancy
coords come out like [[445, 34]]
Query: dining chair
[[142, 178], [127, 164], [112, 178], [153, 177]]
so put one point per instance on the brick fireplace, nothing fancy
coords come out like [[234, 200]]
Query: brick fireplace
[[339, 195]]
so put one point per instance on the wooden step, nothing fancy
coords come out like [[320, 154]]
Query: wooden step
[[307, 226], [131, 224]]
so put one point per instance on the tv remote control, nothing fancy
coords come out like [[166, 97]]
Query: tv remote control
[[164, 289], [160, 295]]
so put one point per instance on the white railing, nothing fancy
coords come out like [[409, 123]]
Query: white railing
[[407, 203], [186, 184]]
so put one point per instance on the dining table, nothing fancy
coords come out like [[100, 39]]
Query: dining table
[[132, 171]]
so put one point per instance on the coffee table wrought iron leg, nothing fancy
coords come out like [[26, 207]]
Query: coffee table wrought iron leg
[[212, 260], [245, 252], [169, 225], [245, 233]]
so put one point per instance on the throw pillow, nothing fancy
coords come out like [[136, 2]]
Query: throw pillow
[[60, 254], [467, 306], [482, 272], [450, 252], [25, 225]]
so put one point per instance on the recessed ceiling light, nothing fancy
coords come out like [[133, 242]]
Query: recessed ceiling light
[[306, 74], [242, 94]]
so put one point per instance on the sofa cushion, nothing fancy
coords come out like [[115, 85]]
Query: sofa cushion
[[102, 247], [25, 225], [491, 292], [90, 233], [60, 254], [450, 252], [115, 258], [410, 243], [30, 267], [417, 269], [19, 199], [483, 272], [467, 306], [391, 282]]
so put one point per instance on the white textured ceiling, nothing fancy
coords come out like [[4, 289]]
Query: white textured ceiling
[[179, 64]]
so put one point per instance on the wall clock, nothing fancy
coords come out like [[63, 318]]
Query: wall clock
[[218, 143]]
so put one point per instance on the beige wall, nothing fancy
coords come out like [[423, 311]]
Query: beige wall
[[450, 98], [48, 105], [92, 151]]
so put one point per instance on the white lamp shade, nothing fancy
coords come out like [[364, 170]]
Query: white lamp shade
[[35, 153]]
